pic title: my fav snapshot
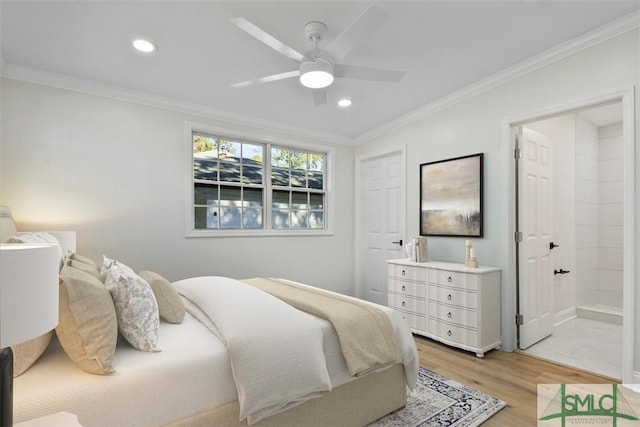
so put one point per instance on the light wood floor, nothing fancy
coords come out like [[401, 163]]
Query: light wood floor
[[511, 377]]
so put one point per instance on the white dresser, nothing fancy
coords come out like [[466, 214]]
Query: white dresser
[[448, 302]]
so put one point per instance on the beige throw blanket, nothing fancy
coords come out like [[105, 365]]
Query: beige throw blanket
[[366, 335]]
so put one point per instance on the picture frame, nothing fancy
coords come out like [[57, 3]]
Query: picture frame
[[451, 197]]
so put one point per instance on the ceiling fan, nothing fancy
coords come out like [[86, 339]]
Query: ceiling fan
[[318, 69]]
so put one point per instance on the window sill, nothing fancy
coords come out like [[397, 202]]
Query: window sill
[[257, 233]]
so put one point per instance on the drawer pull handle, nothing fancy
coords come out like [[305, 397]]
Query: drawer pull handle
[[449, 333], [403, 303], [449, 297], [403, 288], [449, 315], [449, 279], [403, 272]]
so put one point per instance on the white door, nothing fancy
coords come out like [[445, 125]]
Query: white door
[[535, 221], [381, 220]]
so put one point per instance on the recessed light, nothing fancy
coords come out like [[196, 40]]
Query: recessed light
[[344, 102], [144, 45]]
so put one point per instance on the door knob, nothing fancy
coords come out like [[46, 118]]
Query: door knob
[[399, 242], [552, 245]]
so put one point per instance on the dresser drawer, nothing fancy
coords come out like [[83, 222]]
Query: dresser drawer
[[453, 297], [418, 290], [405, 272], [406, 303], [456, 334], [457, 316], [454, 279]]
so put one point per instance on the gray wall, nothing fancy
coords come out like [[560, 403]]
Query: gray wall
[[115, 172]]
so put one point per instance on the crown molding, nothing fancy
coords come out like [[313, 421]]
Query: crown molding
[[63, 81], [606, 32]]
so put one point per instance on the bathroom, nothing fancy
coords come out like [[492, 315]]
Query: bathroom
[[588, 229]]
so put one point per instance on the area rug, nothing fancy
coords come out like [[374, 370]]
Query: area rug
[[439, 401]]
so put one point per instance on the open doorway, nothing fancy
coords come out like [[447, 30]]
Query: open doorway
[[570, 285]]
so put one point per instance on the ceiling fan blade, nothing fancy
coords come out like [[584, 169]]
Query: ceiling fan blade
[[357, 30], [268, 39], [366, 73], [267, 79], [320, 96]]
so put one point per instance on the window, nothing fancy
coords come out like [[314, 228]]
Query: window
[[240, 186]]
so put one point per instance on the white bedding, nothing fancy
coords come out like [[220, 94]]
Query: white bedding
[[190, 375], [276, 351]]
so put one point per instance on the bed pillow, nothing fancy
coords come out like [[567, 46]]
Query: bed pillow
[[87, 268], [136, 306], [87, 325], [170, 303], [88, 262]]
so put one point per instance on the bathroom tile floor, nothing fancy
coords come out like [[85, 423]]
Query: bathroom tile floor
[[587, 344]]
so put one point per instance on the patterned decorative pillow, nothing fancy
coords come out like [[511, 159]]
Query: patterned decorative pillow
[[136, 306], [87, 325], [170, 303]]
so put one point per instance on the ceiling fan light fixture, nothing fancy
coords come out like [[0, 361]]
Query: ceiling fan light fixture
[[316, 74], [143, 45]]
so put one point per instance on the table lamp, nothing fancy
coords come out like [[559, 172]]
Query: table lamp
[[28, 306]]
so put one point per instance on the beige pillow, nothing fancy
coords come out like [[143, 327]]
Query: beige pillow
[[169, 301], [87, 268], [87, 325], [85, 260], [26, 353]]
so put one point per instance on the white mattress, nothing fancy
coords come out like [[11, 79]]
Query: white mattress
[[190, 375]]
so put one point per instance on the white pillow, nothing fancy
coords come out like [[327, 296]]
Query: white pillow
[[136, 306]]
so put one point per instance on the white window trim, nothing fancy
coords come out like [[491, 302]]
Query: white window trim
[[254, 136]]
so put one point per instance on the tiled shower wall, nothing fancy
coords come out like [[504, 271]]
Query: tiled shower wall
[[599, 196]]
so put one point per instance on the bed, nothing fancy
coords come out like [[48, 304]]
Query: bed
[[193, 380]]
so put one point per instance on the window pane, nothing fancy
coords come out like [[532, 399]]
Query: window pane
[[251, 175], [205, 147], [229, 172], [229, 217], [205, 169], [252, 197], [280, 200], [206, 218], [316, 162], [280, 157], [298, 178], [316, 201], [230, 150], [230, 196], [298, 160], [252, 154], [280, 219], [316, 180], [252, 218], [316, 220], [280, 177], [299, 200], [205, 194], [299, 219]]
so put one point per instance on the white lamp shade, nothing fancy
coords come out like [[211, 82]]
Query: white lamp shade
[[28, 291], [316, 74]]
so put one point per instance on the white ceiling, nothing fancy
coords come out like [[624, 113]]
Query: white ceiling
[[443, 45]]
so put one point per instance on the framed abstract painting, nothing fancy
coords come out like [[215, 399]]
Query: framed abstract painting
[[451, 197]]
